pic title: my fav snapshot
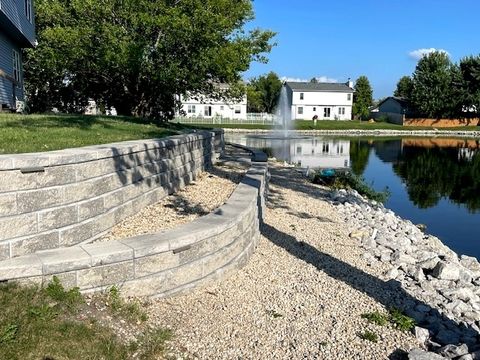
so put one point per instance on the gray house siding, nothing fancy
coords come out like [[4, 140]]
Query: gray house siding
[[16, 32], [14, 11], [391, 106]]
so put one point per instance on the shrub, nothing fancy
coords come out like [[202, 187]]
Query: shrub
[[369, 335], [376, 318], [352, 181]]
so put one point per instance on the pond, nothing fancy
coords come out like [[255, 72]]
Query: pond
[[432, 181]]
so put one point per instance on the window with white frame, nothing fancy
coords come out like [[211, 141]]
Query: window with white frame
[[28, 10], [238, 109], [341, 111], [221, 107], [349, 97], [314, 108], [302, 95], [191, 109], [300, 110], [16, 66]]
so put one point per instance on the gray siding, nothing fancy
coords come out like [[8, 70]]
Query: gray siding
[[6, 64], [15, 12], [391, 106]]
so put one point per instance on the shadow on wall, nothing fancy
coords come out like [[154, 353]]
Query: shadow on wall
[[156, 166]]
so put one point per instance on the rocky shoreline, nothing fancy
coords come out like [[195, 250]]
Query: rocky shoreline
[[380, 132], [440, 290]]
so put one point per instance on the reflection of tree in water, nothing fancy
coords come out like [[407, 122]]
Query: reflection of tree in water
[[433, 173], [359, 154]]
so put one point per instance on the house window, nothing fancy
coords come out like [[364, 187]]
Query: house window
[[28, 10], [325, 148], [207, 111], [16, 65], [300, 110], [221, 108], [314, 108], [341, 111], [301, 96], [238, 110], [299, 149], [326, 112], [191, 109], [349, 97]]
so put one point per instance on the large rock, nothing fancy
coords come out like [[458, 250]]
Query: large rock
[[419, 354], [470, 263], [446, 271], [422, 334], [447, 337], [453, 351]]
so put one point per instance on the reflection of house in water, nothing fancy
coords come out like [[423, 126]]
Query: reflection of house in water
[[306, 152], [466, 153], [318, 152]]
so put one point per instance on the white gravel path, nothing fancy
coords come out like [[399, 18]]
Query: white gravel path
[[209, 191], [297, 298]]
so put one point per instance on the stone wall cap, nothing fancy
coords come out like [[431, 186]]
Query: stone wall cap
[[95, 152]]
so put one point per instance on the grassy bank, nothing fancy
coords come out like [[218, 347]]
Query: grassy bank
[[53, 323], [33, 133], [333, 125]]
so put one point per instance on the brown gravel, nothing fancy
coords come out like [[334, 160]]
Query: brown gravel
[[209, 191], [299, 297]]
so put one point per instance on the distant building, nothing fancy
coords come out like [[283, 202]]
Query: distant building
[[198, 105], [394, 105], [326, 101], [17, 31]]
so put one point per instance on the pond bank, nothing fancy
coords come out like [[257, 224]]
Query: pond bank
[[379, 132], [441, 289], [302, 295]]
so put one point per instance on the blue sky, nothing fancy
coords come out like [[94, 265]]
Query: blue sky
[[337, 39]]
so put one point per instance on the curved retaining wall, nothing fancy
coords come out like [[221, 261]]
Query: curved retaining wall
[[164, 263], [63, 198]]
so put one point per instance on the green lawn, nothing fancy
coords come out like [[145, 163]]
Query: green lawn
[[52, 323], [333, 125], [33, 133]]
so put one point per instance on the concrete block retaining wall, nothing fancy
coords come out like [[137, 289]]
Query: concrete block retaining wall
[[63, 198], [160, 264]]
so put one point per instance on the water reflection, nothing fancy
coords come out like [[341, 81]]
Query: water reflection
[[432, 181], [313, 152]]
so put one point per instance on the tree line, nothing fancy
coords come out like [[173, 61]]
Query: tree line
[[439, 88], [137, 55]]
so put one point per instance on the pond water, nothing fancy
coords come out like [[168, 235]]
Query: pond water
[[432, 181]]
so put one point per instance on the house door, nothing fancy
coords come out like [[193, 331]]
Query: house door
[[208, 111], [326, 112]]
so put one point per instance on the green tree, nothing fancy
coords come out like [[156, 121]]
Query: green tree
[[314, 80], [435, 86], [137, 55], [263, 93], [404, 87], [470, 73], [362, 98], [359, 156]]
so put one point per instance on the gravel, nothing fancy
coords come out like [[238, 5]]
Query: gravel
[[299, 297], [209, 191]]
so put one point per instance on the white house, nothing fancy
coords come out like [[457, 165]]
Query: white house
[[202, 106], [327, 101]]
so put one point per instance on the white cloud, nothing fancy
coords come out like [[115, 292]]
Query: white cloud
[[419, 53], [325, 79]]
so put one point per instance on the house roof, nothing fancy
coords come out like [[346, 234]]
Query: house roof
[[404, 103], [309, 86]]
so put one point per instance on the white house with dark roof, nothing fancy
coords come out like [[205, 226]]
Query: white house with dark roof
[[327, 101], [201, 106]]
